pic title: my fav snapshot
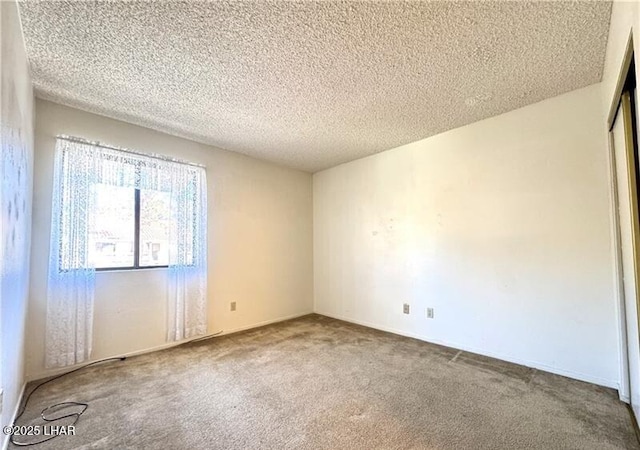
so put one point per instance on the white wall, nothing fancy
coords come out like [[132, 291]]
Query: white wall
[[260, 241], [502, 226], [16, 177]]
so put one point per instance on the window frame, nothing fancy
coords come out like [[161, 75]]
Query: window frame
[[136, 241], [193, 183]]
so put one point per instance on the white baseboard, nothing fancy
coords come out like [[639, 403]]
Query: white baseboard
[[523, 362], [533, 364], [59, 371], [266, 322], [5, 438]]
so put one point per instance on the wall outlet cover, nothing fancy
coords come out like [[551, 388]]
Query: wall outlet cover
[[405, 308]]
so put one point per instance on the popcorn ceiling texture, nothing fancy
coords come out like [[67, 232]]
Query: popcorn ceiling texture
[[310, 84]]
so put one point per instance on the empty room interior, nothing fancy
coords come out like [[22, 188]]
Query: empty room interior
[[320, 225]]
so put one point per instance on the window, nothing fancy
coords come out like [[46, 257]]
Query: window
[[130, 228], [116, 209]]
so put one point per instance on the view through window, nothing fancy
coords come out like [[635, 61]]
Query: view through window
[[130, 228]]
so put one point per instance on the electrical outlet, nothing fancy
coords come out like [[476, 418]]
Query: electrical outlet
[[429, 313], [233, 306], [405, 308]]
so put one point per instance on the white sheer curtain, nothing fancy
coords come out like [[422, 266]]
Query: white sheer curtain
[[71, 280], [79, 167], [186, 308]]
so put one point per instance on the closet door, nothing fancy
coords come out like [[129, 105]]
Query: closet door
[[626, 166]]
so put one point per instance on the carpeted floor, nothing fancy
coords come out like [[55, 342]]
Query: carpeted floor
[[319, 383]]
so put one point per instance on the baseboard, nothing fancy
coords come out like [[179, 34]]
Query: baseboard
[[5, 438], [264, 323], [523, 362], [59, 371]]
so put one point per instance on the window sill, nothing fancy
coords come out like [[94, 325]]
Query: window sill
[[129, 269]]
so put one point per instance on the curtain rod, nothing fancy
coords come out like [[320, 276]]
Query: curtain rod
[[126, 150]]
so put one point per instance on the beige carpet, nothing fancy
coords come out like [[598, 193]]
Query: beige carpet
[[319, 383]]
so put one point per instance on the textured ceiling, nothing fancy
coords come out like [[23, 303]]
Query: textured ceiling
[[310, 84]]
